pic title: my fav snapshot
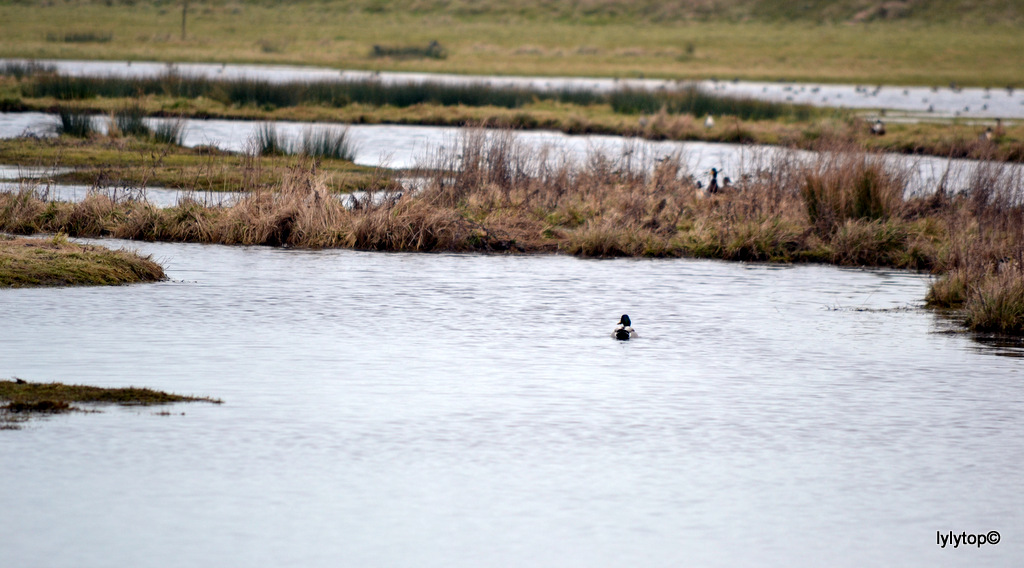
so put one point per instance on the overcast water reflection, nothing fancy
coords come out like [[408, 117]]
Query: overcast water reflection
[[472, 410]]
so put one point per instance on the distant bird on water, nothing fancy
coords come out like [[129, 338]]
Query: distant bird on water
[[878, 128], [623, 331]]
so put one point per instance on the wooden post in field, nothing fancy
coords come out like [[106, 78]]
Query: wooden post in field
[[184, 13]]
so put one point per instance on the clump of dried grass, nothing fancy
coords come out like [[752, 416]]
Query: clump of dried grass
[[486, 193]]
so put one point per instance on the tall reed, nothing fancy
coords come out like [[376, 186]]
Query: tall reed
[[74, 123], [265, 141], [27, 68], [333, 143], [695, 101], [131, 120], [375, 92], [170, 132]]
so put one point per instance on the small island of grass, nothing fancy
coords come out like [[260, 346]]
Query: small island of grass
[[59, 262], [24, 399]]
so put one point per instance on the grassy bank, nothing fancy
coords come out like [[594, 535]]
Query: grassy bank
[[786, 125], [852, 42], [127, 161], [844, 208], [24, 399], [57, 262]]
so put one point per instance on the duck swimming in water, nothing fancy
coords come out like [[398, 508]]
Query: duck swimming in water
[[623, 331]]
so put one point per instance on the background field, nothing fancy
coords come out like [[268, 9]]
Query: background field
[[854, 41]]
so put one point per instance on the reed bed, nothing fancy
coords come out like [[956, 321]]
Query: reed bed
[[319, 143], [332, 143], [130, 120], [487, 193], [691, 100], [75, 123], [170, 132], [374, 92], [23, 69]]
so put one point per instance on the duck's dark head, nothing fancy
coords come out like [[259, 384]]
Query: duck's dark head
[[714, 172], [624, 320]]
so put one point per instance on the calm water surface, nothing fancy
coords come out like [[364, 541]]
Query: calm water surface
[[468, 410]]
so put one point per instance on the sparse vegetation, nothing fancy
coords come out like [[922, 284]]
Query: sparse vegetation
[[432, 50], [130, 120], [80, 37], [170, 132], [26, 399], [332, 143], [129, 162], [74, 123]]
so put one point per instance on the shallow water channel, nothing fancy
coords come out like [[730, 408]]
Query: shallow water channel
[[470, 410], [406, 146]]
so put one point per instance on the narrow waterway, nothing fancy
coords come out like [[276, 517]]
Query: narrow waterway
[[403, 146]]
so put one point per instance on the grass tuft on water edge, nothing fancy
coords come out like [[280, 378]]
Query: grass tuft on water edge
[[58, 262], [74, 123], [26, 399]]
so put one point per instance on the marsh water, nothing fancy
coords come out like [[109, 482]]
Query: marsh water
[[407, 146], [472, 410]]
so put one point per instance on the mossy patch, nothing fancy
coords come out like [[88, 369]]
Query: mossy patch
[[59, 262], [133, 162], [24, 399]]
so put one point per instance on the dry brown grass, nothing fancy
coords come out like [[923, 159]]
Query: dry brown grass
[[489, 194], [58, 262]]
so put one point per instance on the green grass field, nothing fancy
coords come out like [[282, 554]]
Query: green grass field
[[975, 43]]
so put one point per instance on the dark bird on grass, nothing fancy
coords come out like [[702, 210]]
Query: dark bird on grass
[[623, 331], [713, 184], [878, 128]]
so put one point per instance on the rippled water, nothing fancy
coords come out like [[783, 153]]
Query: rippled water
[[468, 410], [938, 101]]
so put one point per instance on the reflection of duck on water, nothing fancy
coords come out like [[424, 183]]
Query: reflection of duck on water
[[623, 331]]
